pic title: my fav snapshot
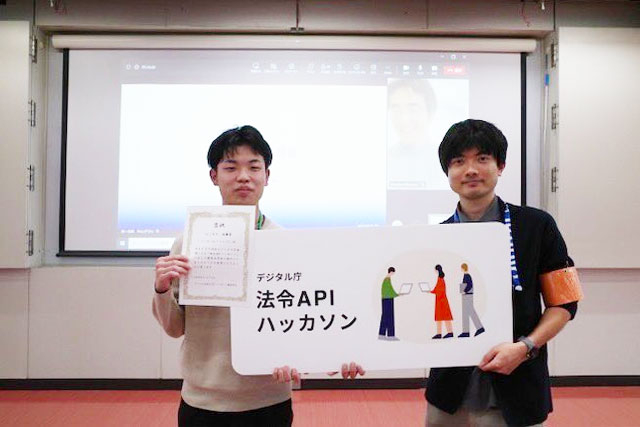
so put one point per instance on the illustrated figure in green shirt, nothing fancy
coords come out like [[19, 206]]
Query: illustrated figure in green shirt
[[387, 319]]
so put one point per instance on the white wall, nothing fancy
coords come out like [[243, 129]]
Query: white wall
[[92, 319], [92, 322], [599, 105], [14, 323], [603, 338], [14, 110]]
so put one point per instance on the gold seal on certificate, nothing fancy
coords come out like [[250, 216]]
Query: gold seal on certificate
[[217, 241]]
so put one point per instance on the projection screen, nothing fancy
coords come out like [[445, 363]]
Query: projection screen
[[354, 135]]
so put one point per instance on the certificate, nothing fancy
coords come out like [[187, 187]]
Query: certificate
[[217, 241]]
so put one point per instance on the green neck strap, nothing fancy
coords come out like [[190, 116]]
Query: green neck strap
[[260, 222]]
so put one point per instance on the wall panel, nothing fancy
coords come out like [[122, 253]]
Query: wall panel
[[603, 338], [186, 15], [14, 323], [402, 16], [93, 322], [14, 143], [599, 106]]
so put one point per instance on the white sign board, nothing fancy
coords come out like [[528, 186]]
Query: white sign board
[[316, 298]]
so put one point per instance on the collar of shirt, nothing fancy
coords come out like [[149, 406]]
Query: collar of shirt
[[491, 214]]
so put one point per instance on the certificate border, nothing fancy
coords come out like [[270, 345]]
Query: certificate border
[[218, 213]]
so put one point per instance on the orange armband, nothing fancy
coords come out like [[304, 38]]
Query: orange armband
[[561, 287]]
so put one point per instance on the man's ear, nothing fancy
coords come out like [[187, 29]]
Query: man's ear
[[214, 176], [267, 173], [501, 168]]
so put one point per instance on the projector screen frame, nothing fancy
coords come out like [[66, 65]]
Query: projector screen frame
[[62, 252]]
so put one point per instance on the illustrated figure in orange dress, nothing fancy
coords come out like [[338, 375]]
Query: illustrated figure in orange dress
[[443, 311]]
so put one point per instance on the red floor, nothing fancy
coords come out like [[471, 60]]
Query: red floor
[[583, 406]]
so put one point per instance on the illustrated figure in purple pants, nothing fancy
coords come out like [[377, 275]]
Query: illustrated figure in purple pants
[[387, 319]]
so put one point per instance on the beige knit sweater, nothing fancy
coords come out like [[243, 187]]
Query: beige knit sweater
[[209, 379]]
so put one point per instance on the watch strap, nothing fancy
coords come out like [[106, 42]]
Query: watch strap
[[532, 350]]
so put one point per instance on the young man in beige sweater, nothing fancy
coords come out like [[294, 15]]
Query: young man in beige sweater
[[212, 392]]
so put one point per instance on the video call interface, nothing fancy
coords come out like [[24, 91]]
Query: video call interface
[[354, 135]]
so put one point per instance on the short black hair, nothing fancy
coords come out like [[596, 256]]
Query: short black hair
[[391, 270], [470, 133], [231, 139]]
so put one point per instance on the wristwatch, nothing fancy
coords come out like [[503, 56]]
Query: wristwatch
[[532, 350]]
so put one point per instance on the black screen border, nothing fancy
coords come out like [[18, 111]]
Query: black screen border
[[62, 252]]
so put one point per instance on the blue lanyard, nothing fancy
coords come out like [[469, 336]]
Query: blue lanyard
[[515, 279]]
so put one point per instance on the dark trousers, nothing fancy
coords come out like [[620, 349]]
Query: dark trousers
[[278, 415], [387, 320]]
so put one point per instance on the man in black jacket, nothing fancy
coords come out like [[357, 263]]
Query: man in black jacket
[[510, 386]]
